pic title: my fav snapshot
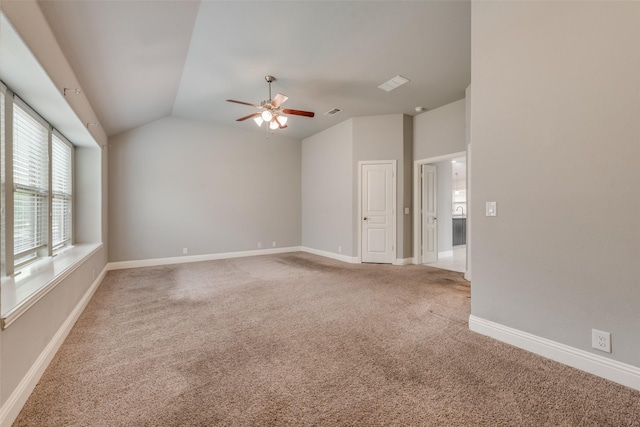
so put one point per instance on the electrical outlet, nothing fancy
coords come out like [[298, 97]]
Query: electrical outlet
[[185, 251], [273, 244], [339, 249], [259, 245], [601, 340]]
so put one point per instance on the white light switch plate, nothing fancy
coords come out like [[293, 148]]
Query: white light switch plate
[[492, 209]]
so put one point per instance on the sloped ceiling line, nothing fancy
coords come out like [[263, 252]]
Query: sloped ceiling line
[[139, 61]]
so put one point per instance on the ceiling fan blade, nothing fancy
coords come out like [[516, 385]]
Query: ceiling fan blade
[[250, 116], [243, 103], [298, 112], [278, 100], [279, 124]]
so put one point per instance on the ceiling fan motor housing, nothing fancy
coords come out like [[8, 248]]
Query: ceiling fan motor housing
[[266, 104]]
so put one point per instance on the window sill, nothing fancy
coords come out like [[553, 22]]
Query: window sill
[[19, 293]]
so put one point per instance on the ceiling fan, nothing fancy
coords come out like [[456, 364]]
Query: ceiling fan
[[270, 111]]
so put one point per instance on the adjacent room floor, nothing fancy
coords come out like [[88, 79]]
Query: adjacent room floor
[[457, 261]]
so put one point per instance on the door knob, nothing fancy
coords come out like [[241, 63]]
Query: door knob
[[365, 218]]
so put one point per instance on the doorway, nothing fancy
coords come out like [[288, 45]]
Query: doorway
[[429, 209], [440, 212], [377, 196]]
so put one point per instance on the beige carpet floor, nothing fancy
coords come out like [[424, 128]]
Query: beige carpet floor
[[300, 340]]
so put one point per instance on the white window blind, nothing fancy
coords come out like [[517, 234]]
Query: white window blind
[[61, 191], [3, 202], [30, 182]]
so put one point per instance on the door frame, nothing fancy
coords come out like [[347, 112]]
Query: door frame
[[417, 199], [424, 194], [394, 225]]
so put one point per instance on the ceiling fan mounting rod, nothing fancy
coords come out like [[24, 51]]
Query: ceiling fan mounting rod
[[269, 79]]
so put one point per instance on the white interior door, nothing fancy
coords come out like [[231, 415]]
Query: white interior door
[[429, 214], [377, 213]]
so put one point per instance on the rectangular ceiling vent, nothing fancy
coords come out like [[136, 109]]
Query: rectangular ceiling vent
[[333, 112], [394, 83]]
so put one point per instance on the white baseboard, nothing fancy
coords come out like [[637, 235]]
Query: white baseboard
[[12, 407], [350, 259], [210, 257], [196, 258], [339, 257], [445, 254], [595, 364]]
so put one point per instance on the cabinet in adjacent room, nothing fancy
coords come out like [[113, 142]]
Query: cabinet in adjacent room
[[459, 231]]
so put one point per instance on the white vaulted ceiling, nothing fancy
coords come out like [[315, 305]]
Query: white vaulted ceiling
[[127, 55], [139, 61]]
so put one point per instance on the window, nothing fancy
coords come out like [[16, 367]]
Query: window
[[61, 161], [37, 185], [30, 185]]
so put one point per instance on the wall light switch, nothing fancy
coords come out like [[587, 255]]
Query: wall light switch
[[406, 211], [492, 209]]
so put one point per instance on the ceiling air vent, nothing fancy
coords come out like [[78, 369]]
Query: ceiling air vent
[[333, 112], [392, 84]]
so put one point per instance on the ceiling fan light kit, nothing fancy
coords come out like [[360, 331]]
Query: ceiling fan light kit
[[271, 112]]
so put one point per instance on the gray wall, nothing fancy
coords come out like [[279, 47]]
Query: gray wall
[[88, 200], [105, 198], [440, 131], [383, 138], [555, 107], [327, 196], [22, 342], [407, 176], [178, 184], [330, 180], [27, 337]]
